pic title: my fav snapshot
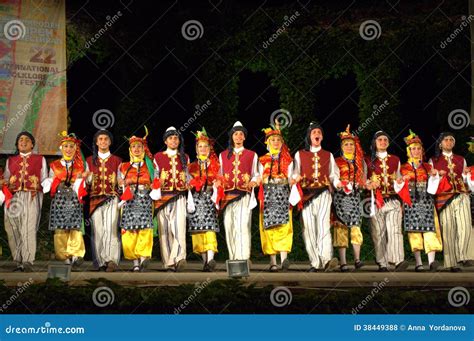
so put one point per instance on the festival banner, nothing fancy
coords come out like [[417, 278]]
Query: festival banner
[[32, 72]]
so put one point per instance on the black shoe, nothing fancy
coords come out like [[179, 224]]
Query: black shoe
[[434, 266], [144, 264], [455, 269], [135, 268], [206, 268], [401, 266], [19, 268], [78, 262], [285, 265], [170, 270], [344, 268], [468, 263], [28, 267], [181, 265], [212, 265], [331, 265], [358, 264], [273, 268], [419, 268], [102, 268], [312, 269], [382, 269]]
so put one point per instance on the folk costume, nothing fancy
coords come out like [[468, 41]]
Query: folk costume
[[420, 217], [104, 212], [453, 205], [238, 167], [347, 200], [386, 210], [318, 171], [136, 222], [202, 212], [276, 223], [24, 175], [171, 165], [67, 188]]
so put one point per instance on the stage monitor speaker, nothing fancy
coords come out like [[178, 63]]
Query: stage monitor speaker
[[62, 271], [237, 268]]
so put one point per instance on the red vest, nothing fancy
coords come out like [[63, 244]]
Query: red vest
[[266, 161], [453, 174], [132, 174], [237, 170], [60, 171], [312, 178], [170, 181], [104, 177], [422, 173], [385, 176], [25, 172]]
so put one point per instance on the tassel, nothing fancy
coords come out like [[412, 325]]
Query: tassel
[[82, 191], [197, 183], [379, 199], [404, 194], [156, 183], [8, 195], [127, 194], [260, 197], [444, 186], [54, 186]]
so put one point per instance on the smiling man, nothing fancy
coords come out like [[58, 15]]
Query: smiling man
[[171, 165], [452, 203], [383, 169], [238, 166], [104, 202], [24, 174]]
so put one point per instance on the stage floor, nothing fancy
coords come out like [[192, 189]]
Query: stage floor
[[296, 277]]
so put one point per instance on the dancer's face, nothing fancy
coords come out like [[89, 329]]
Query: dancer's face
[[416, 151], [348, 146], [203, 148], [381, 143], [25, 145], [68, 149], [238, 138], [275, 142], [447, 144], [136, 149], [316, 137], [172, 142], [103, 143]]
